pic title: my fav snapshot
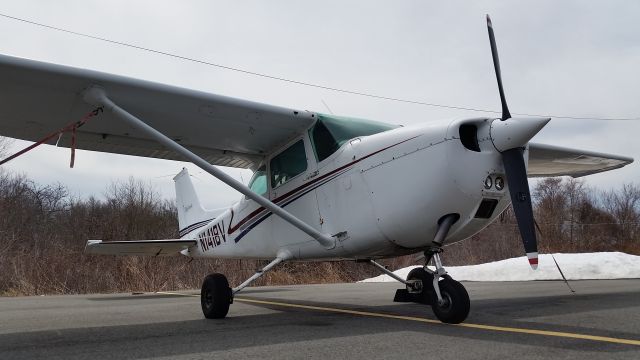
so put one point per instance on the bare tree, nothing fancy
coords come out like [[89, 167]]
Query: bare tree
[[5, 144], [624, 206], [551, 205]]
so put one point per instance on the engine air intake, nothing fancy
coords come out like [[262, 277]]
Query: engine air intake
[[469, 137]]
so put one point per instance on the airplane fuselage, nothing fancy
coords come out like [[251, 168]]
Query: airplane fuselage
[[383, 194]]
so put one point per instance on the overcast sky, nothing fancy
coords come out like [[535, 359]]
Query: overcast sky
[[577, 58]]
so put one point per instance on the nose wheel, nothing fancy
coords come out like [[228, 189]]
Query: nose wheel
[[454, 306], [448, 298]]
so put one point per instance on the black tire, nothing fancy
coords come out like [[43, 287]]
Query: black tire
[[425, 295], [457, 304], [215, 296]]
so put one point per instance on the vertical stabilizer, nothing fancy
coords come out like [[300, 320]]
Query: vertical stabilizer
[[191, 214]]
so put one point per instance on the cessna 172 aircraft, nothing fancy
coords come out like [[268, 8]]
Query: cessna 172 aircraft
[[324, 187]]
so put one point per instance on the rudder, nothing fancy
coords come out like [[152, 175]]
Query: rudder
[[191, 214]]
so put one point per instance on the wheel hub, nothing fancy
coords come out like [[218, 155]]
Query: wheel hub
[[445, 303], [208, 299]]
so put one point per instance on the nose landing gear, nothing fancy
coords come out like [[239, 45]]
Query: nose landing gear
[[449, 300]]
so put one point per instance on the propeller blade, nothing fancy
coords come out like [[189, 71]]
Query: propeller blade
[[496, 65], [516, 173]]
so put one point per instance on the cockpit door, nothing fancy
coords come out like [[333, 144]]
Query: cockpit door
[[291, 175]]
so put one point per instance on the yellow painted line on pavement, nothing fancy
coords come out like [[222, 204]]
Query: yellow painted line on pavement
[[430, 321]]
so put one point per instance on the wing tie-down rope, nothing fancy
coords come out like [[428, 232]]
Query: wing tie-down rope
[[72, 128], [554, 259]]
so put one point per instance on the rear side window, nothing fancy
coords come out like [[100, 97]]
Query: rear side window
[[288, 164]]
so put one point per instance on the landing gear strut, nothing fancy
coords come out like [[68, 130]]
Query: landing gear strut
[[449, 300]]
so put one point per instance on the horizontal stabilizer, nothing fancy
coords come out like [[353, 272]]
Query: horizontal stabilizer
[[168, 247]]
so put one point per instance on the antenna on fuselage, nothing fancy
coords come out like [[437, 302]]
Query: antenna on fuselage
[[327, 106]]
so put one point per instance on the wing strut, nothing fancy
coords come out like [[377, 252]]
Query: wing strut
[[97, 96]]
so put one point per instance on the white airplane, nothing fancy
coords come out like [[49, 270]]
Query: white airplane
[[324, 187]]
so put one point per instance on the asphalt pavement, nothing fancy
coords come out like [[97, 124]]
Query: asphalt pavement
[[524, 320]]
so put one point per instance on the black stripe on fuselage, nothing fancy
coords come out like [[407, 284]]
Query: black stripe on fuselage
[[194, 226]]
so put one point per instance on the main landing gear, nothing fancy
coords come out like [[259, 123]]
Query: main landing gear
[[449, 300], [216, 296]]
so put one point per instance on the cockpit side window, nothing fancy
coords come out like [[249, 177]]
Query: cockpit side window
[[258, 183], [288, 164]]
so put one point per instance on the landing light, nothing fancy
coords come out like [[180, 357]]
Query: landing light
[[499, 183], [488, 182]]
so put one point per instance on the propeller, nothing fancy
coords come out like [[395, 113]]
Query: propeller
[[510, 136]]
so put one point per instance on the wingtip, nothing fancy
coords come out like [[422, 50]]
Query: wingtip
[[489, 21]]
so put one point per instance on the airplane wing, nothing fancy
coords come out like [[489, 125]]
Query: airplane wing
[[548, 161], [38, 98], [139, 247]]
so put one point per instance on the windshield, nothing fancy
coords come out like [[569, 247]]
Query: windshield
[[258, 183], [330, 132]]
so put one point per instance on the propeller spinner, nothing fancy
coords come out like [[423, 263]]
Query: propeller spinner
[[510, 136]]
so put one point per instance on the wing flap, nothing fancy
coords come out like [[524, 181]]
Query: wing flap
[[549, 161], [168, 247], [37, 98]]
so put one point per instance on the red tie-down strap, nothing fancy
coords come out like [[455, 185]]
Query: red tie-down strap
[[72, 127]]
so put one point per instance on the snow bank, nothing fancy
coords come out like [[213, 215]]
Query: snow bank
[[603, 265]]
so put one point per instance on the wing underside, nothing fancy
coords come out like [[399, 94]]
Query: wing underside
[[549, 161], [38, 98], [168, 247]]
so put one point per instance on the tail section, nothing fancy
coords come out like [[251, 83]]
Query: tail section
[[191, 214]]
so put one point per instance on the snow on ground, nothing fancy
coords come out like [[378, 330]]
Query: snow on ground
[[603, 265]]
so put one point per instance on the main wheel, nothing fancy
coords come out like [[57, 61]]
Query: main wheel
[[456, 304], [424, 295], [215, 296]]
